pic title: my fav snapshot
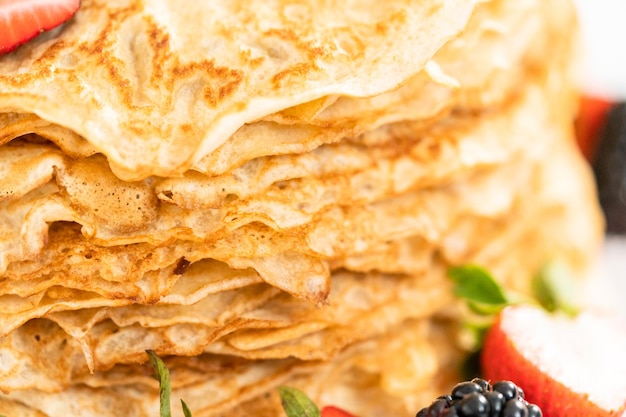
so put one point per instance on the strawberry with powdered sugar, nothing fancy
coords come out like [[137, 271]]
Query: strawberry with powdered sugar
[[22, 20]]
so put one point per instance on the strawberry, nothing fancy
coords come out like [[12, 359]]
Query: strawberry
[[330, 411], [568, 366], [590, 122], [22, 20]]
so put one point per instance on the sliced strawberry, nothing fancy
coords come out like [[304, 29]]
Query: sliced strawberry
[[330, 411], [589, 123], [22, 20], [567, 366]]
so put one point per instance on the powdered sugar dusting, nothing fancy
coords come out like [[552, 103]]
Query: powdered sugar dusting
[[586, 354]]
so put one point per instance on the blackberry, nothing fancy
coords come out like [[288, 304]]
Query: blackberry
[[478, 398], [609, 166], [508, 389]]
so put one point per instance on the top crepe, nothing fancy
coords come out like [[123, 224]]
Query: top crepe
[[156, 87]]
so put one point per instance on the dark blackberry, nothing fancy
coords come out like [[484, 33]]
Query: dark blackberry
[[485, 385], [515, 408], [437, 407], [496, 402], [609, 166], [464, 388], [506, 388], [450, 412], [474, 404], [534, 411], [448, 398], [478, 398]]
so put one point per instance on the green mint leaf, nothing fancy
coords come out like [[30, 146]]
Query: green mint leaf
[[475, 285], [186, 410], [554, 288], [296, 403], [163, 376], [485, 309]]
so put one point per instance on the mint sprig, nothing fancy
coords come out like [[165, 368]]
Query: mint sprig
[[554, 290], [186, 411], [477, 286], [163, 376], [296, 403]]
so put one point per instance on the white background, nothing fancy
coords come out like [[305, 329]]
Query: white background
[[603, 25]]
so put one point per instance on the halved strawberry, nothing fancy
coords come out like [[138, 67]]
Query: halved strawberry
[[567, 366], [330, 411], [22, 20], [590, 122]]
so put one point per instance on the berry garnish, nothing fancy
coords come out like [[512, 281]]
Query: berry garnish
[[22, 20], [589, 123], [610, 169], [331, 411], [478, 398], [568, 366]]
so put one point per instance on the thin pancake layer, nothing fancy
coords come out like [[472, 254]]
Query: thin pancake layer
[[424, 362], [156, 86]]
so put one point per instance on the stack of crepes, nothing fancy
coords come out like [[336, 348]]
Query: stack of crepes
[[266, 193]]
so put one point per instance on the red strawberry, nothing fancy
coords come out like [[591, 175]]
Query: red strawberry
[[22, 20], [567, 366], [330, 411], [590, 122]]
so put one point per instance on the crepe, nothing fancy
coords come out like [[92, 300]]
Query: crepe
[[318, 214], [170, 110], [183, 89], [269, 193], [131, 390]]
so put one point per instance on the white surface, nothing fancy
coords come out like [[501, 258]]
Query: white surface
[[604, 35], [613, 269]]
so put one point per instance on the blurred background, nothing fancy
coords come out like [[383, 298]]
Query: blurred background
[[604, 35], [602, 126]]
